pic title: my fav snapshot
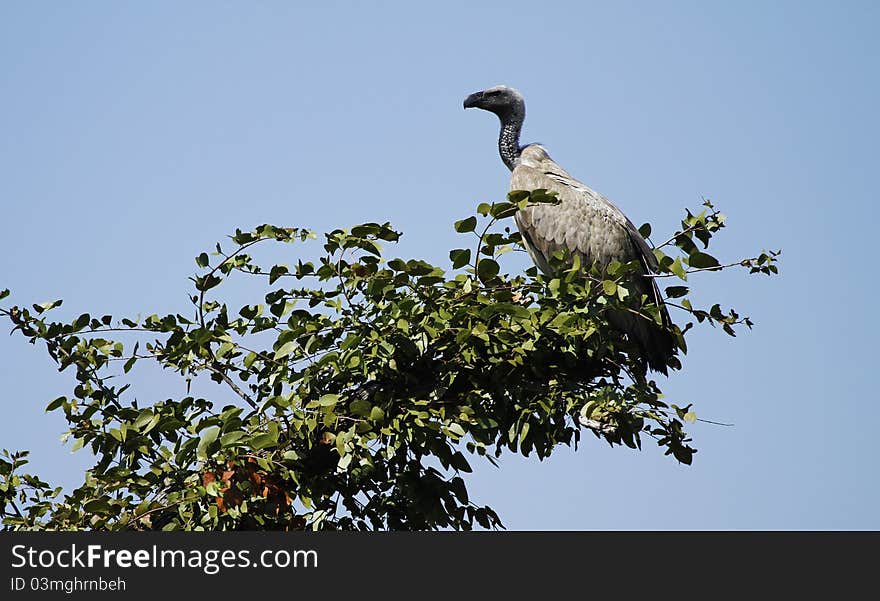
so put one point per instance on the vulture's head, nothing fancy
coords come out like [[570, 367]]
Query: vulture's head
[[501, 100]]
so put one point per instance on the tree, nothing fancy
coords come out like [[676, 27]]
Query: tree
[[358, 389]]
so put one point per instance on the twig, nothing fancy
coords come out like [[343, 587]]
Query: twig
[[263, 356], [18, 511], [709, 421], [108, 329], [686, 230], [232, 385], [695, 270], [154, 510], [214, 270], [597, 426], [341, 283], [480, 246], [279, 275]]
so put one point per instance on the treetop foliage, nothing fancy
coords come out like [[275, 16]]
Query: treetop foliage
[[357, 388]]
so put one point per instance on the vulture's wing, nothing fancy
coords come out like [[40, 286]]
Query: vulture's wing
[[588, 224], [584, 221]]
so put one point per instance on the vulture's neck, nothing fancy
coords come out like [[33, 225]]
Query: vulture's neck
[[508, 139]]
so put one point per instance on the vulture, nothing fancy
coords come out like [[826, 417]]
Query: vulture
[[583, 222]]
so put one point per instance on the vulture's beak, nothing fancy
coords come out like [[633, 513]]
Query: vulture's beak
[[473, 100]]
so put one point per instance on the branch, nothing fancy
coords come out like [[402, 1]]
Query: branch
[[267, 274], [109, 329], [232, 385], [154, 510], [709, 421], [597, 426], [341, 282], [685, 231], [741, 263], [480, 246], [18, 511], [214, 270]]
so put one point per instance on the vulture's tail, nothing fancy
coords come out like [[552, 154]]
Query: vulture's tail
[[656, 343]]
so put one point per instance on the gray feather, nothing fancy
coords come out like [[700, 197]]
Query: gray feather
[[584, 223], [588, 225]]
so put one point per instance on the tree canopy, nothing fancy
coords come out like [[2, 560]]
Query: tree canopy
[[358, 388]]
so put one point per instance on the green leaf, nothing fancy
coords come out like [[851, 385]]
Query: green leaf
[[501, 210], [98, 506], [286, 349], [466, 225], [517, 196], [81, 321], [458, 488], [700, 260], [487, 269], [249, 359], [456, 429], [202, 260], [458, 462], [609, 287], [223, 349], [360, 407], [328, 400], [153, 423], [676, 291], [42, 307], [645, 230], [514, 310], [678, 269], [206, 439], [264, 441], [350, 341], [344, 461], [231, 438], [56, 403], [683, 454], [460, 257], [364, 230], [207, 282], [143, 418], [543, 196], [276, 272]]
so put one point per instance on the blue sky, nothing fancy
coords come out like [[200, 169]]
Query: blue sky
[[136, 135]]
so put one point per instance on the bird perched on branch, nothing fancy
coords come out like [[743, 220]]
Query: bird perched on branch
[[584, 223]]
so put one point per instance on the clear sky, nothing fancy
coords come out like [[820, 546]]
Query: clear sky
[[135, 135]]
